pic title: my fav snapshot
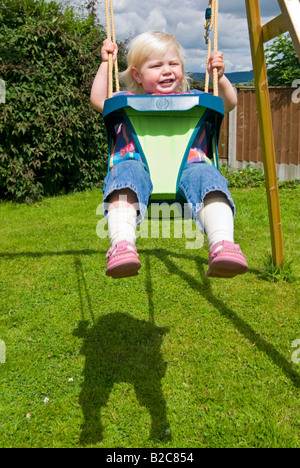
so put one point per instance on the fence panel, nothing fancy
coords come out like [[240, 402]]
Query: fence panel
[[285, 121]]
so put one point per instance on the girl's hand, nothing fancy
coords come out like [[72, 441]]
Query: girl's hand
[[216, 61], [108, 48]]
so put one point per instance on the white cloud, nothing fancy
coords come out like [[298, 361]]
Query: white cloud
[[156, 20], [187, 17]]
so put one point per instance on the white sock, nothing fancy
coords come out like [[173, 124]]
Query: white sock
[[217, 218], [122, 224]]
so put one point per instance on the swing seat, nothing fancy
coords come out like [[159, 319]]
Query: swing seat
[[164, 128]]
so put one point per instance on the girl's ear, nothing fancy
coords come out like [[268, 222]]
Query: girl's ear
[[136, 75]]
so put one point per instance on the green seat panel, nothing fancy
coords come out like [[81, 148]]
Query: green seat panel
[[164, 128], [163, 139]]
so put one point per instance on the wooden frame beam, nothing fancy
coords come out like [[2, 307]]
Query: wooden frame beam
[[265, 125], [291, 13], [274, 28]]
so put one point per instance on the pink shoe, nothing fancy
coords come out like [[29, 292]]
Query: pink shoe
[[226, 260], [122, 260]]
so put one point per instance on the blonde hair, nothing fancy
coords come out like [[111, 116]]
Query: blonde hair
[[144, 46]]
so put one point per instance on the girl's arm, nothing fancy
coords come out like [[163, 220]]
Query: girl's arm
[[226, 90], [99, 92]]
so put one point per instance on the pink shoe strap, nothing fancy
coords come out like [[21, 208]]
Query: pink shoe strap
[[225, 246], [121, 247]]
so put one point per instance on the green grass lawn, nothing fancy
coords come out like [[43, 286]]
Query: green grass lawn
[[167, 359]]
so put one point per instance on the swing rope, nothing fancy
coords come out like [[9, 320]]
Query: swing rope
[[211, 22], [111, 35]]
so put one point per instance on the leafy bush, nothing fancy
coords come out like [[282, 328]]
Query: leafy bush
[[51, 140], [282, 62], [243, 178], [251, 177]]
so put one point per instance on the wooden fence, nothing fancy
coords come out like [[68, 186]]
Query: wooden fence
[[240, 138]]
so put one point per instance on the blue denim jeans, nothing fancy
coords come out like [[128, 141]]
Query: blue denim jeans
[[196, 182]]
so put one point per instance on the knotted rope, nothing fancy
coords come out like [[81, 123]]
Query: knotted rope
[[111, 35], [211, 22]]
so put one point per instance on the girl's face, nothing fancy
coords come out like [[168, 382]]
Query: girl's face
[[161, 75]]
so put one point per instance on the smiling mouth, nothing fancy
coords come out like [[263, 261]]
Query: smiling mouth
[[166, 82]]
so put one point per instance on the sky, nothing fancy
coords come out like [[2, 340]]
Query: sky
[[186, 18]]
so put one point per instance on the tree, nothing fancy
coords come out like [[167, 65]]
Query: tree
[[282, 62], [91, 6], [51, 140]]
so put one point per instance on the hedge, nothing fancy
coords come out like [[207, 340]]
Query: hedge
[[51, 139]]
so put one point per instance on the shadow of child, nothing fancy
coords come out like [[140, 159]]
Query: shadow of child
[[120, 348]]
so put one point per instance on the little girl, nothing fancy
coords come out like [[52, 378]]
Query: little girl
[[156, 66]]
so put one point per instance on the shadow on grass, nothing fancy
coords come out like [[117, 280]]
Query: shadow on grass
[[203, 287], [120, 348]]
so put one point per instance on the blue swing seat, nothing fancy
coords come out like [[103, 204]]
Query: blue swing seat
[[164, 128]]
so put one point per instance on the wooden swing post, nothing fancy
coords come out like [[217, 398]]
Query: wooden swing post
[[265, 125]]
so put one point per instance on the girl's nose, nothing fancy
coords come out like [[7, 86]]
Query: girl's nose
[[166, 70]]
